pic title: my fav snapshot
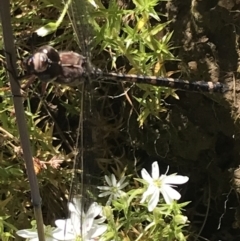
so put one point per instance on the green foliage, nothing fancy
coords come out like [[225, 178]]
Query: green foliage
[[53, 26], [129, 33], [146, 47], [6, 228], [129, 220], [136, 35]]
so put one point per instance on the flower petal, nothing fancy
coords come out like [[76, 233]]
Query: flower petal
[[98, 230], [94, 210], [104, 194], [77, 202], [108, 180], [72, 208], [146, 176], [98, 210], [27, 233], [103, 188], [36, 239], [175, 179], [119, 194], [76, 220], [63, 223], [114, 181], [153, 201], [109, 200], [155, 170], [99, 220], [169, 194], [62, 234], [151, 189]]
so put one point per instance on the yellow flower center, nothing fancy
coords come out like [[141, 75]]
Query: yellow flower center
[[157, 183], [114, 190]]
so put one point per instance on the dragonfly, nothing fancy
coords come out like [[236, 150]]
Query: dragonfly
[[70, 68], [73, 69]]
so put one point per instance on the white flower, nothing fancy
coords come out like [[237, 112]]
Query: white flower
[[160, 184], [113, 190], [32, 235], [81, 225]]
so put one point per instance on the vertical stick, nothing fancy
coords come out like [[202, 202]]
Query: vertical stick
[[19, 111]]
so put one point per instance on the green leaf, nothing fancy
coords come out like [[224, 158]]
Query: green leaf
[[159, 27], [47, 29]]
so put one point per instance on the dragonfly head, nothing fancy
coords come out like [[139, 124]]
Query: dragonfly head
[[39, 62]]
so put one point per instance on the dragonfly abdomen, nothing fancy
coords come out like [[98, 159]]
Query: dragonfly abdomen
[[198, 86]]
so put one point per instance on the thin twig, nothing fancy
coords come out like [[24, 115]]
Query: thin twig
[[19, 111]]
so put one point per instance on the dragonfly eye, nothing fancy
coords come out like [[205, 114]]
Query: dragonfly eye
[[39, 61]]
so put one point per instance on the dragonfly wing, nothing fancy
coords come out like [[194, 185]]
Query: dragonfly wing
[[84, 186]]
